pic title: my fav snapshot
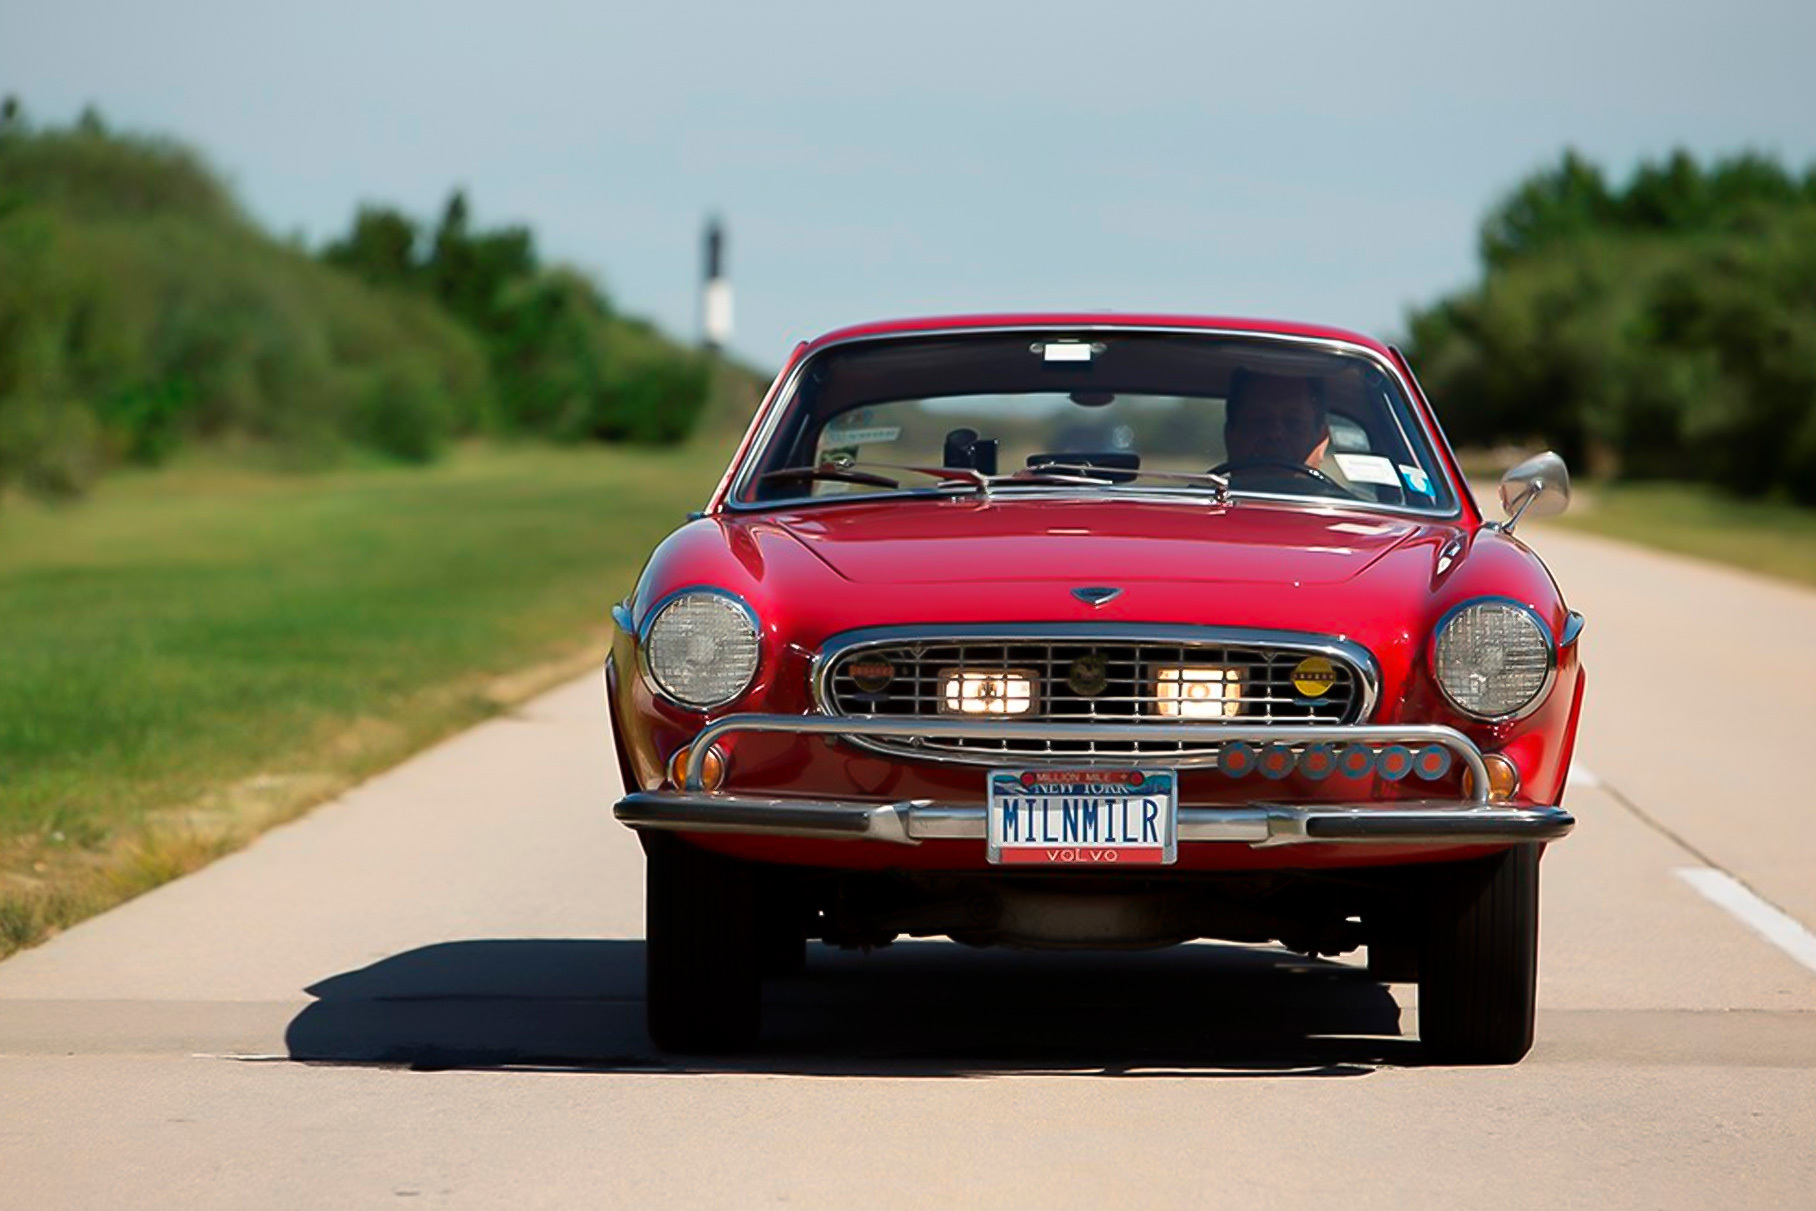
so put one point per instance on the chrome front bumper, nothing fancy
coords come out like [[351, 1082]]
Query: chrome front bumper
[[915, 820], [1473, 821]]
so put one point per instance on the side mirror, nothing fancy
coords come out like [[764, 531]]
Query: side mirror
[[1539, 487]]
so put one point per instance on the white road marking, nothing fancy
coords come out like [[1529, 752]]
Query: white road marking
[[1784, 932], [1583, 776]]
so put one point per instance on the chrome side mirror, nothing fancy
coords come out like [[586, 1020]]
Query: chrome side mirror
[[1539, 487]]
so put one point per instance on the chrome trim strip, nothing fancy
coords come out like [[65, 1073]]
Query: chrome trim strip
[[1216, 733], [710, 813], [754, 450], [1551, 647], [911, 821], [845, 642], [1434, 432]]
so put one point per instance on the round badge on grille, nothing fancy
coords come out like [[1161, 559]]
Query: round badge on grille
[[1089, 675], [872, 673], [1314, 676]]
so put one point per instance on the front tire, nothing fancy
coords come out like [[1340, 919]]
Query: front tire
[[702, 959], [1478, 970], [782, 921]]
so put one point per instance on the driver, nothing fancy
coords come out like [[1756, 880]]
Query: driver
[[1275, 418]]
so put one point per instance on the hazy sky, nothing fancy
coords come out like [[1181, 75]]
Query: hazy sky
[[1325, 161]]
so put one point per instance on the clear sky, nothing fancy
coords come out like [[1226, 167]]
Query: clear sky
[[1325, 161]]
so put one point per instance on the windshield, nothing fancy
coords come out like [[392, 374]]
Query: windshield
[[1122, 412]]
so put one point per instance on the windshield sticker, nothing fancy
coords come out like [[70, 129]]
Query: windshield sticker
[[1416, 479], [859, 428], [1066, 351], [1368, 469], [864, 437]]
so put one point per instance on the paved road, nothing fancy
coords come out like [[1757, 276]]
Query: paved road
[[429, 993]]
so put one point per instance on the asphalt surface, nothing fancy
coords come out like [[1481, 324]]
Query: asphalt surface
[[429, 992]]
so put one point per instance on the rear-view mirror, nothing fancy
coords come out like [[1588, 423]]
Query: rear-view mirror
[[1538, 487]]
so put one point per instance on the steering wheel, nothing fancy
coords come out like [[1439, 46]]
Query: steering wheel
[[1278, 464]]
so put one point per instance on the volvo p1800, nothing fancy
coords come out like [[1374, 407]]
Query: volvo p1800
[[1079, 630]]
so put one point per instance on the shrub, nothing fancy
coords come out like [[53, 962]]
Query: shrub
[[1662, 329]]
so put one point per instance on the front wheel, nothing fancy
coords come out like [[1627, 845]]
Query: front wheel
[[1478, 970], [702, 958]]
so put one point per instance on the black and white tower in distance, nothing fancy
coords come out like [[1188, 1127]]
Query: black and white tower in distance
[[715, 293]]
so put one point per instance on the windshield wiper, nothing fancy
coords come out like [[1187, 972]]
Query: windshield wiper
[[978, 479], [846, 470], [850, 471], [844, 475], [1208, 479]]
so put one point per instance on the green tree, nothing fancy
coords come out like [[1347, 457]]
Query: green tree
[[381, 247], [469, 271], [1663, 328], [1554, 205]]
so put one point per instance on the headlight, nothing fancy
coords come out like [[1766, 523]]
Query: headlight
[[1492, 659], [701, 648]]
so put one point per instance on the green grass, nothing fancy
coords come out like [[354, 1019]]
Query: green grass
[[1759, 536], [197, 652]]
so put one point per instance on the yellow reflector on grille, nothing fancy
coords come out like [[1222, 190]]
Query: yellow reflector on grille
[[1198, 692]]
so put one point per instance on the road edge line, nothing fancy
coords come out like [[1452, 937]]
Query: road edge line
[[1774, 925]]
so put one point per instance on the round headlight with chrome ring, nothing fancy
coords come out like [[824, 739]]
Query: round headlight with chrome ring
[[1493, 658], [700, 647]]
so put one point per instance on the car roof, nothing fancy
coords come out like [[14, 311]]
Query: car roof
[[1092, 319]]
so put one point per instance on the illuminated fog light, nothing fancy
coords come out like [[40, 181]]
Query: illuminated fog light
[[1198, 692], [1003, 692]]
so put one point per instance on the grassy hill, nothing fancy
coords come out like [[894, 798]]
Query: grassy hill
[[212, 645], [141, 309]]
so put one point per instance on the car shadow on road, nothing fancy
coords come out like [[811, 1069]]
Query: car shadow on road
[[929, 1008]]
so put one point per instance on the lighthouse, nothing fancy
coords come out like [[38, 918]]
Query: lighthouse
[[715, 292]]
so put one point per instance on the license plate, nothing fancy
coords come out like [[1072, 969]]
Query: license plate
[[1083, 817]]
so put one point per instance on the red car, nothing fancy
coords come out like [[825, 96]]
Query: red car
[[1098, 631]]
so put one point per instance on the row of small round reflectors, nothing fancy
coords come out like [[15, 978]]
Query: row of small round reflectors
[[1319, 761], [1238, 759]]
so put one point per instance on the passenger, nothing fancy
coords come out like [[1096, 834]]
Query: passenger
[[1275, 418]]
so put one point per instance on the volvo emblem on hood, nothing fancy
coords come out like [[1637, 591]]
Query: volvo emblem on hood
[[1096, 595]]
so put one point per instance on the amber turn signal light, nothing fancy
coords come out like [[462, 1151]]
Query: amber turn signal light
[[712, 769], [1503, 778]]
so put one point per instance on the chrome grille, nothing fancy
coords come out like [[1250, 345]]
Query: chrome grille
[[1130, 668]]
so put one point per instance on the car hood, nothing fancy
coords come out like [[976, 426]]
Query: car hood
[[1087, 542]]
